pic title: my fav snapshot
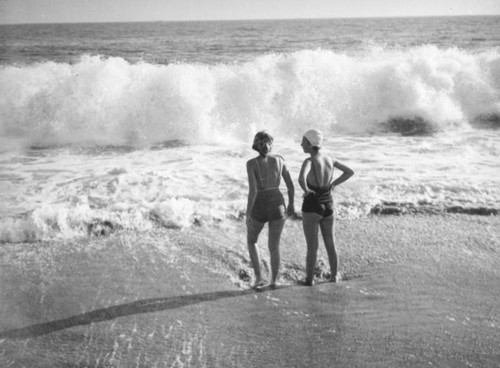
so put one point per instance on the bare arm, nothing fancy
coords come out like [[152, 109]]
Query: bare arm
[[252, 188], [291, 190], [346, 173]]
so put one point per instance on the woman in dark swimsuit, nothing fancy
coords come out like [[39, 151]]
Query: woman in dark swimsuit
[[316, 179], [266, 203]]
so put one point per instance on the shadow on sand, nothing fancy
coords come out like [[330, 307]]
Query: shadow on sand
[[106, 314]]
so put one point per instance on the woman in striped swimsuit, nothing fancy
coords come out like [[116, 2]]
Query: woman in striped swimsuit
[[316, 179], [266, 203]]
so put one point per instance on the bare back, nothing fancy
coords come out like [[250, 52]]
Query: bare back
[[267, 171], [320, 172]]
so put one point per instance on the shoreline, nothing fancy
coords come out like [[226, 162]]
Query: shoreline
[[102, 227], [416, 290], [425, 208]]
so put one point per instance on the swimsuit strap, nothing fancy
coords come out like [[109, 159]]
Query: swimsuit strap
[[261, 179]]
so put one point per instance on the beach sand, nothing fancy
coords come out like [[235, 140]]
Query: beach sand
[[416, 291]]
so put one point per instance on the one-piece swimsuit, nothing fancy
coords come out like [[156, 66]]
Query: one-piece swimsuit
[[269, 204], [321, 201]]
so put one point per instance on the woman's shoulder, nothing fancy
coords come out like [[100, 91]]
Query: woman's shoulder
[[328, 158], [324, 160], [277, 157], [251, 162]]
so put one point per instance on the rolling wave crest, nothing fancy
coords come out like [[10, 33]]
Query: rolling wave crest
[[102, 101]]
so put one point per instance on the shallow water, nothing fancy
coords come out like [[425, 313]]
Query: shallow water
[[68, 192], [416, 291]]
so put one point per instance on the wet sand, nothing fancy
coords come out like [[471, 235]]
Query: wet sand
[[416, 291]]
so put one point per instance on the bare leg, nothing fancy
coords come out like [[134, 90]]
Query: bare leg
[[253, 230], [275, 229], [310, 221], [327, 231]]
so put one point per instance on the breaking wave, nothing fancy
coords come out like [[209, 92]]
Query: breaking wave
[[109, 101]]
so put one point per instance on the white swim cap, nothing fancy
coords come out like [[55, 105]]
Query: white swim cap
[[314, 137]]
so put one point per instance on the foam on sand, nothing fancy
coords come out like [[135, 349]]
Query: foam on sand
[[416, 291]]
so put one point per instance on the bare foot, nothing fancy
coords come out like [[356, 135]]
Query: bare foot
[[269, 286], [258, 283], [305, 282], [336, 278], [272, 285]]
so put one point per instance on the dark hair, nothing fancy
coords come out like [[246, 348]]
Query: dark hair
[[261, 137]]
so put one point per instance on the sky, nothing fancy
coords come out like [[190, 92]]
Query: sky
[[68, 11]]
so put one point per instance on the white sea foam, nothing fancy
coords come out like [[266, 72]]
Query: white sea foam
[[134, 145], [70, 192], [111, 101]]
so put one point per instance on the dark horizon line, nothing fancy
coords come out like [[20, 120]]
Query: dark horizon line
[[252, 19]]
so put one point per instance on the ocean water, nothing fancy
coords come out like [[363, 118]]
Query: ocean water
[[137, 125]]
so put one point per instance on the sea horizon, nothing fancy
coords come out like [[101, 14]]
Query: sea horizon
[[262, 19]]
